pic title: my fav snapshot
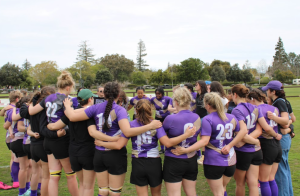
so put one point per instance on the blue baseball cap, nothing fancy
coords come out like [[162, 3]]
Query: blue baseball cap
[[275, 85], [207, 82]]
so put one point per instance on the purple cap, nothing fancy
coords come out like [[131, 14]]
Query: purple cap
[[275, 85]]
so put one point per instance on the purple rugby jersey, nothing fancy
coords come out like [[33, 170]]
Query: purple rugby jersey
[[55, 106], [161, 106], [176, 124], [249, 114], [135, 99], [193, 103], [14, 125], [221, 133], [264, 108], [26, 139], [117, 113], [145, 145], [7, 140]]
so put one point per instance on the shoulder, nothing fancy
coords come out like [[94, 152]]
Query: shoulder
[[133, 123]]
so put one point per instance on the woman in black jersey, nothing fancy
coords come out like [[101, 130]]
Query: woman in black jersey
[[82, 147]]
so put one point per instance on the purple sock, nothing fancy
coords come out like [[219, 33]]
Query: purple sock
[[274, 188], [162, 147], [33, 193], [265, 189], [15, 171], [27, 185], [22, 191], [39, 186], [225, 193]]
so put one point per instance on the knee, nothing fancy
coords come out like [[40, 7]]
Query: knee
[[115, 191], [103, 190], [55, 175], [71, 175]]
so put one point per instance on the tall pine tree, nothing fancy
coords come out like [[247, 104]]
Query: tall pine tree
[[85, 53], [26, 65], [141, 63], [280, 60]]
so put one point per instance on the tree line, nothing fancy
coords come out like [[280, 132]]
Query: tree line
[[88, 71]]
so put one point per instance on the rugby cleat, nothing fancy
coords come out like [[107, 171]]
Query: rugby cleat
[[4, 186], [15, 185]]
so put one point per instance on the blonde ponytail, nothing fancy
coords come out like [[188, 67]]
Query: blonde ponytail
[[214, 100], [64, 80], [182, 96]]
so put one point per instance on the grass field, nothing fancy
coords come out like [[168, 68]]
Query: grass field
[[129, 190]]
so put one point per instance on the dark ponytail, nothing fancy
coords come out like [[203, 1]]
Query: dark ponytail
[[111, 92]]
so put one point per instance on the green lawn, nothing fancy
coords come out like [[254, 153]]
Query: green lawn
[[129, 189]]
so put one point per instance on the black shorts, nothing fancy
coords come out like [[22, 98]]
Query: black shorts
[[271, 150], [245, 159], [176, 169], [146, 171], [160, 119], [17, 148], [113, 161], [38, 153], [8, 145], [213, 172], [59, 148], [79, 163], [26, 148]]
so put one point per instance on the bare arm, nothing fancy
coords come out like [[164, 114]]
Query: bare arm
[[171, 109], [169, 142], [129, 107], [130, 132], [6, 125], [263, 123], [293, 117], [8, 107], [283, 120], [240, 135], [34, 109], [98, 135], [56, 126], [252, 137], [113, 145], [196, 146], [15, 116]]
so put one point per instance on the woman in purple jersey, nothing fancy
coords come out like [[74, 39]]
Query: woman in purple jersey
[[181, 170], [270, 145], [283, 176], [57, 147], [249, 154], [146, 162], [111, 120], [22, 127], [133, 101], [217, 135]]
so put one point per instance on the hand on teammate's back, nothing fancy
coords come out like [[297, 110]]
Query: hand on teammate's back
[[190, 131], [67, 102], [155, 124], [225, 149], [179, 150]]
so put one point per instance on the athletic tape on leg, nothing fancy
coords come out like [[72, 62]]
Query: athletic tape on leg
[[70, 174], [55, 173], [118, 190]]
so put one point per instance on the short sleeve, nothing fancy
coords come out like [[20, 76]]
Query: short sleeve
[[122, 135], [206, 128], [131, 101], [160, 132], [171, 102], [65, 120], [260, 114], [91, 122], [91, 111], [121, 114], [281, 105], [24, 112], [238, 114], [167, 123], [9, 115], [43, 103]]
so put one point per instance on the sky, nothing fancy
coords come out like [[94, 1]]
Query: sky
[[172, 30]]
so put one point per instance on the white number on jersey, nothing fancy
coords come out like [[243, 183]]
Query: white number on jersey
[[144, 138], [221, 128], [250, 121], [272, 122], [51, 110]]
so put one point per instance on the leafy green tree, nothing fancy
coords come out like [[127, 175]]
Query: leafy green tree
[[294, 62], [160, 77], [284, 76], [82, 69], [119, 66], [45, 73], [26, 65], [223, 64], [191, 70], [85, 53], [140, 62], [217, 74], [235, 73], [88, 82], [27, 80], [138, 78], [10, 74], [246, 75], [103, 76]]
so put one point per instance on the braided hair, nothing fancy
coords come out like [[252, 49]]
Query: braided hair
[[111, 92]]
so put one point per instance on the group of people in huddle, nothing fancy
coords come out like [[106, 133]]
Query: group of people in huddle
[[245, 135]]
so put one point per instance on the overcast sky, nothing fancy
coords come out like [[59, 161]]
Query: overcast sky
[[172, 30]]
